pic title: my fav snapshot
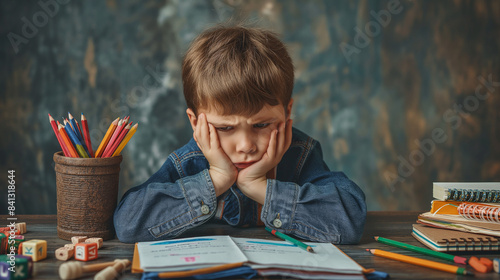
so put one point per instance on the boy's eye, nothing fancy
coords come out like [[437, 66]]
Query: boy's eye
[[224, 128], [261, 125]]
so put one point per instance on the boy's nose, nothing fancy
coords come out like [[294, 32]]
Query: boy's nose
[[246, 145]]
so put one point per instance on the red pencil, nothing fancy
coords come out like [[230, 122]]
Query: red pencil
[[86, 135], [117, 141], [61, 143], [111, 142]]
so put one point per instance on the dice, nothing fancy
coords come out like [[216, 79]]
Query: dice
[[36, 249], [85, 251]]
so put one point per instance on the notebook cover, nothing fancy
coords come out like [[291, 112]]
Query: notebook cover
[[452, 240]]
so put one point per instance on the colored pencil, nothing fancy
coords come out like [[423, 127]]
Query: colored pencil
[[421, 262], [199, 271], [58, 136], [425, 251], [76, 142], [291, 239], [107, 137], [86, 135], [126, 139], [115, 135], [117, 141], [66, 140], [78, 132], [75, 127]]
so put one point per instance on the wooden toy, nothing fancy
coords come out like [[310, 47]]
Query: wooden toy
[[78, 239], [23, 267], [36, 249], [64, 253], [21, 227], [112, 272], [73, 270], [97, 240], [85, 251]]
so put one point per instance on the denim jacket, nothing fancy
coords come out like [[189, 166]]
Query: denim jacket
[[306, 199]]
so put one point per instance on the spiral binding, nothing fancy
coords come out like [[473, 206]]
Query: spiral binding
[[474, 195], [474, 211]]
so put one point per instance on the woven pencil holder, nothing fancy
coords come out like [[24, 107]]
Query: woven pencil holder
[[87, 190]]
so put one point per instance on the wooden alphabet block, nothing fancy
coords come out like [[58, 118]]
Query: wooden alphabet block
[[97, 240], [36, 249], [78, 239], [15, 267], [21, 227], [64, 253], [85, 251]]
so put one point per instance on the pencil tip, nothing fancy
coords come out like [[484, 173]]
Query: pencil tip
[[375, 237]]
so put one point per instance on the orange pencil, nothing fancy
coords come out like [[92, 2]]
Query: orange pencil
[[117, 132], [106, 138], [86, 135], [59, 139], [117, 141], [421, 262], [125, 140], [67, 141]]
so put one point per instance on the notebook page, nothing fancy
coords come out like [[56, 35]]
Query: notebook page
[[262, 253], [188, 253]]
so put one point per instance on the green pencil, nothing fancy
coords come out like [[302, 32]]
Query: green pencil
[[291, 239], [425, 251]]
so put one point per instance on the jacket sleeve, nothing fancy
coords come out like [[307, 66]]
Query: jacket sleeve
[[319, 205], [165, 206]]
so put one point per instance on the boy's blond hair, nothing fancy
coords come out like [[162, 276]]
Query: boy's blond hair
[[237, 71]]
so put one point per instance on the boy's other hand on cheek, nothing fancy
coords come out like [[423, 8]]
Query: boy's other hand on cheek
[[252, 181], [222, 171]]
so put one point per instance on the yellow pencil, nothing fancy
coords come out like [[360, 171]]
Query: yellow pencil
[[106, 138], [125, 140], [421, 262]]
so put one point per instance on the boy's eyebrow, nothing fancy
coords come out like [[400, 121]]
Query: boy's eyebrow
[[222, 123], [263, 120]]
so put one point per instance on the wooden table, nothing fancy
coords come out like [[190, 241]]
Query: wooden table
[[394, 225]]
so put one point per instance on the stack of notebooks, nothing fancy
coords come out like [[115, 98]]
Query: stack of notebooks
[[463, 217], [220, 256]]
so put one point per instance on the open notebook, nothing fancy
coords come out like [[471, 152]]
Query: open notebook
[[200, 253], [451, 240]]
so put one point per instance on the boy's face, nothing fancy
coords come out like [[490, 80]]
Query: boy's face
[[245, 139]]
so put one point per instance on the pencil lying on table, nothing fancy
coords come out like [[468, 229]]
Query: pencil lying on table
[[421, 262], [425, 251], [291, 239]]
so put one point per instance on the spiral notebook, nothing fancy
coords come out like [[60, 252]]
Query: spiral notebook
[[446, 240], [489, 212], [467, 191]]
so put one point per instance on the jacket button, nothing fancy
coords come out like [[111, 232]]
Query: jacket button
[[205, 210], [277, 223]]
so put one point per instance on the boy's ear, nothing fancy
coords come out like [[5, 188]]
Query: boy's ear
[[289, 109], [192, 118]]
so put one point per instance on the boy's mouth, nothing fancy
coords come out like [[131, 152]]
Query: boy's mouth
[[243, 165]]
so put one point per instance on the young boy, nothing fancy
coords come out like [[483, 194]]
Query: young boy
[[245, 165]]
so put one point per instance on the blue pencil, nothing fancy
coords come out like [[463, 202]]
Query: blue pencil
[[76, 142], [77, 131]]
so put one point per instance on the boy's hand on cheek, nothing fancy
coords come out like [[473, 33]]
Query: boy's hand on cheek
[[222, 171], [252, 181]]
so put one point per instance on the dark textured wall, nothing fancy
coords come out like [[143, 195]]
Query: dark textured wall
[[399, 93]]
